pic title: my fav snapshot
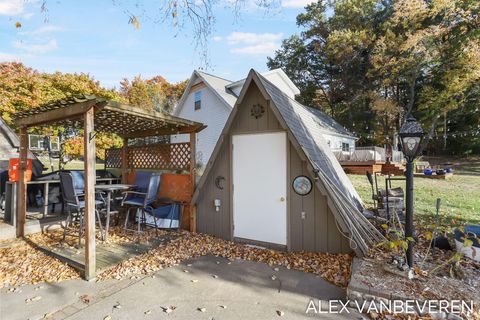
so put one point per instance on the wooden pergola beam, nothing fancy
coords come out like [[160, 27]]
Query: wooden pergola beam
[[55, 115], [164, 132], [193, 143], [22, 183], [89, 216]]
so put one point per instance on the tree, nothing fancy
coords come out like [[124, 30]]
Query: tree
[[22, 88], [152, 94], [372, 62]]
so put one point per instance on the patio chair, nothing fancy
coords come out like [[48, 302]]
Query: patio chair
[[78, 181], [166, 216], [76, 201], [141, 201]]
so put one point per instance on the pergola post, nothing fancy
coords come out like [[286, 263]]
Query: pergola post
[[193, 140], [89, 155], [124, 160], [22, 182]]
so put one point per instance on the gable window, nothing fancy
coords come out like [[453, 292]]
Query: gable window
[[198, 100], [345, 147]]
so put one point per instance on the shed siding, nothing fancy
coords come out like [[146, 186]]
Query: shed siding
[[316, 232], [208, 220]]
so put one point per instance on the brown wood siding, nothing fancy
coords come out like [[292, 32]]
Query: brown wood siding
[[317, 232], [245, 123], [208, 220]]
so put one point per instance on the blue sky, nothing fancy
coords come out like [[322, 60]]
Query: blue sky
[[95, 37]]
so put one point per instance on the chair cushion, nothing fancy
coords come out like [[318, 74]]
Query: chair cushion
[[142, 179], [135, 201], [78, 179], [171, 211]]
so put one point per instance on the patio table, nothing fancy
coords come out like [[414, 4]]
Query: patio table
[[109, 189]]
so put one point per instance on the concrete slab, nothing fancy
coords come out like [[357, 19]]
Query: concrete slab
[[246, 289]]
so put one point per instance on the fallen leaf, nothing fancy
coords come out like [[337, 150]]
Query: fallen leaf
[[194, 280], [280, 313], [85, 298], [148, 312], [223, 307], [202, 309], [109, 317], [186, 271], [215, 276]]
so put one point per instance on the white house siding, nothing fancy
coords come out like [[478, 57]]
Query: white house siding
[[335, 141], [213, 113]]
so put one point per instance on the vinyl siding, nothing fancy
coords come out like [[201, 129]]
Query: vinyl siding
[[212, 113]]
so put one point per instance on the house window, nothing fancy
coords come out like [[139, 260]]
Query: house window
[[198, 100], [345, 147]]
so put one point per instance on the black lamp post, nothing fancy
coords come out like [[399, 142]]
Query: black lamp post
[[411, 135]]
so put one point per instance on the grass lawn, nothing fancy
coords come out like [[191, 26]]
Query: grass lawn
[[460, 195]]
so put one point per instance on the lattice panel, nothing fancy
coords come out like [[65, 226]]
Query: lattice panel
[[113, 158], [174, 156]]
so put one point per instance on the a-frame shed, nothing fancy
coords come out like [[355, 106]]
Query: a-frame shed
[[247, 192]]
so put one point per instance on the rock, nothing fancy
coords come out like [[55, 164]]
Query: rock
[[453, 316], [438, 315]]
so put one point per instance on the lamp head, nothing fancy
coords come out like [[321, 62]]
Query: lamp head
[[411, 134]]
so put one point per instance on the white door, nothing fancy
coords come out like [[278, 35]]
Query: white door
[[259, 166]]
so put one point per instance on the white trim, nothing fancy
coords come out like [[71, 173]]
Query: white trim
[[196, 74]]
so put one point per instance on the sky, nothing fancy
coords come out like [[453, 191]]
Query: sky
[[95, 37]]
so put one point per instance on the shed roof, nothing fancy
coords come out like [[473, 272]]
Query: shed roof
[[110, 116]]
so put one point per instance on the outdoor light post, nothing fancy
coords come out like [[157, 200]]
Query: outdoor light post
[[411, 135]]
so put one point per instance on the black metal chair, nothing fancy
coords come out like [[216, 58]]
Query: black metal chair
[[141, 202], [76, 201]]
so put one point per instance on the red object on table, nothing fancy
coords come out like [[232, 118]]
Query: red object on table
[[14, 172]]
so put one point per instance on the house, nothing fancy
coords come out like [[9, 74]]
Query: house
[[273, 181], [9, 144], [210, 99]]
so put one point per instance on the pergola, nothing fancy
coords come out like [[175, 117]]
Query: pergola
[[92, 114]]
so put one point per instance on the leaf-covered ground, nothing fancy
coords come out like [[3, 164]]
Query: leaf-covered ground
[[21, 263]]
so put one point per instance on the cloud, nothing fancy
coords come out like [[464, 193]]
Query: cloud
[[8, 57], [34, 48], [259, 49], [41, 30], [254, 43], [296, 3], [217, 38], [253, 38], [12, 7]]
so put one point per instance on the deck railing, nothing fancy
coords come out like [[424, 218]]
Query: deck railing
[[367, 154]]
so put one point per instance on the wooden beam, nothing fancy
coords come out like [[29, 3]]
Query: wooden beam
[[69, 112], [198, 86], [165, 131], [89, 217], [124, 160], [22, 182], [193, 143]]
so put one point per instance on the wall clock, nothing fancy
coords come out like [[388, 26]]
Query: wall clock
[[302, 185]]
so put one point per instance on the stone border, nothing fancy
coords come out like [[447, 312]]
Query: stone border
[[360, 292]]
